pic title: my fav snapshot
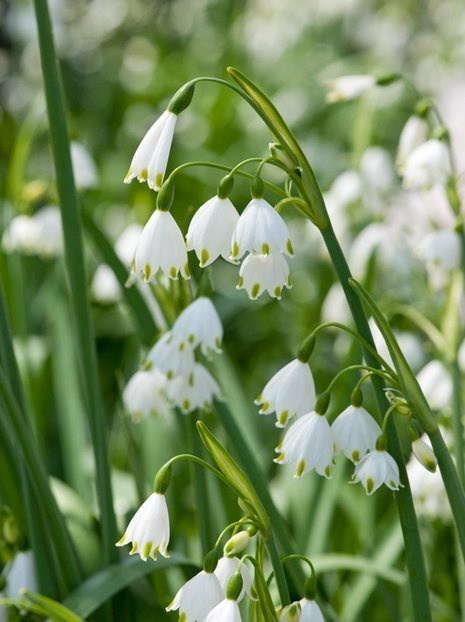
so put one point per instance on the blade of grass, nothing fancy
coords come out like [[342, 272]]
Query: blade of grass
[[74, 257]]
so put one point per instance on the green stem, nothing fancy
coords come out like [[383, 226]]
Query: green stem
[[457, 410], [74, 256], [278, 571], [200, 486], [413, 547]]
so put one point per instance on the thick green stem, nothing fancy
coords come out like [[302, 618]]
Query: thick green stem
[[278, 570], [74, 256], [457, 414], [408, 520]]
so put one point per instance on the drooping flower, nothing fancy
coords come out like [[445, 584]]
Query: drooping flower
[[291, 391], [149, 529], [161, 246], [376, 468], [424, 454], [264, 272], [195, 390], [354, 433], [151, 156], [211, 229], [414, 133], [145, 394], [40, 234], [440, 250], [349, 87], [310, 611], [427, 165], [307, 445], [291, 613], [226, 568], [199, 324], [198, 597], [171, 357], [260, 229], [226, 611]]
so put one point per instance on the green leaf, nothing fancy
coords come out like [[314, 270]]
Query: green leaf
[[102, 586], [235, 476], [44, 606]]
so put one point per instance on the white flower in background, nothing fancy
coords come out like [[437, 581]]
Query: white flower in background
[[161, 246], [307, 445], [145, 394], [149, 529], [310, 611], [225, 569], [291, 613], [260, 229], [424, 454], [335, 307], [20, 235], [84, 169], [264, 272], [151, 157], [436, 384], [414, 134], [440, 250], [226, 611], [427, 165], [105, 286], [20, 574], [171, 357], [291, 391], [197, 390], [377, 468], [355, 433], [349, 87], [196, 599], [211, 229], [428, 491], [347, 188], [377, 173], [199, 324]]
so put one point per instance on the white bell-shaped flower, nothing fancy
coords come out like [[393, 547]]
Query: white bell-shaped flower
[[264, 272], [225, 569], [375, 469], [199, 324], [260, 229], [197, 390], [145, 394], [424, 454], [226, 611], [161, 246], [310, 611], [196, 599], [149, 529], [414, 134], [427, 165], [291, 391], [171, 357], [211, 229], [291, 613], [307, 445], [355, 433], [151, 156], [349, 87], [440, 250]]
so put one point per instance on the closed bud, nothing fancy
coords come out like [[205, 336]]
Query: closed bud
[[236, 544], [225, 187], [277, 152], [210, 561], [424, 454], [165, 196], [234, 587], [162, 480], [181, 99], [291, 613]]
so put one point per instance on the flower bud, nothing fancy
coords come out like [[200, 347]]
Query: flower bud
[[424, 454], [277, 152], [291, 613], [162, 480], [236, 544], [234, 587], [181, 99]]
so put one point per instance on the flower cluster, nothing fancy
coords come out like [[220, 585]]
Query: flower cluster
[[215, 230], [40, 234], [171, 375], [312, 443]]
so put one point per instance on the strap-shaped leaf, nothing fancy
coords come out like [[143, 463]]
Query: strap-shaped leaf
[[234, 474], [42, 605]]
